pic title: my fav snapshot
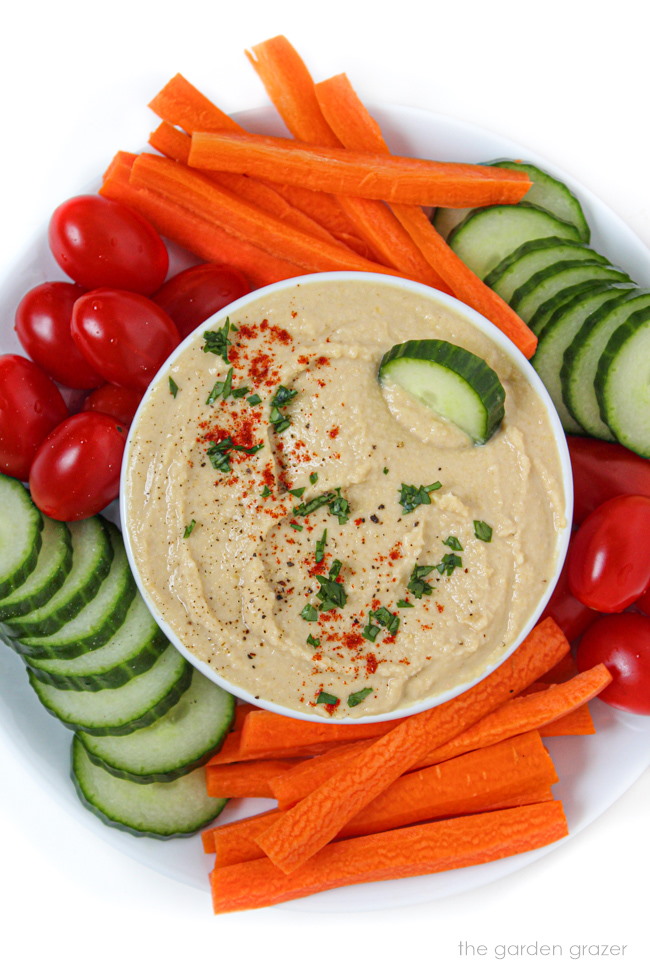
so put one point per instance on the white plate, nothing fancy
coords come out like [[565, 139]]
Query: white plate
[[594, 770]]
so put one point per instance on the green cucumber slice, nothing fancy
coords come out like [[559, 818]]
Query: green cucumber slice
[[550, 194], [555, 338], [517, 268], [21, 524], [545, 284], [161, 810], [488, 235], [451, 381], [623, 383], [180, 741], [134, 648], [98, 620], [52, 566], [578, 373], [92, 554], [121, 710]]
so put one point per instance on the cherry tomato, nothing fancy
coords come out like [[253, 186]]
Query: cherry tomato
[[117, 401], [76, 471], [124, 335], [620, 641], [601, 470], [30, 406], [43, 327], [572, 616], [608, 566], [100, 243], [194, 294]]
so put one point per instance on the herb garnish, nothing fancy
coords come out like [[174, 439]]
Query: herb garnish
[[358, 697], [384, 618], [449, 563], [453, 543], [371, 631], [313, 641], [223, 388], [309, 613], [337, 504], [417, 584], [189, 528], [331, 593], [325, 698], [482, 531], [218, 452], [412, 497], [254, 399], [173, 387], [297, 492], [405, 604], [313, 478], [266, 491], [218, 342], [320, 547], [282, 396]]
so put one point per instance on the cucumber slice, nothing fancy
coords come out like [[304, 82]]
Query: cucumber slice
[[121, 710], [544, 314], [161, 809], [454, 383], [517, 268], [546, 284], [134, 648], [578, 373], [52, 566], [92, 554], [488, 235], [98, 620], [555, 338], [623, 383], [180, 741], [550, 194], [21, 524]]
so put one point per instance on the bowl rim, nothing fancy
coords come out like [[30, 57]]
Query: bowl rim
[[504, 344]]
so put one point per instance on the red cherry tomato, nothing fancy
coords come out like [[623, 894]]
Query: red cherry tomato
[[124, 335], [608, 566], [76, 471], [601, 470], [194, 294], [43, 327], [103, 244], [30, 406], [117, 401], [572, 616], [620, 641]]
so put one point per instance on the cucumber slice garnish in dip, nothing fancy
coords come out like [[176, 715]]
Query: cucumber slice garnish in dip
[[451, 381]]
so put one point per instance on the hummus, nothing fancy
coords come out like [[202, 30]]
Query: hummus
[[267, 518]]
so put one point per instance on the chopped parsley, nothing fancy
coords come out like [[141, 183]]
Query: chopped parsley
[[309, 613], [173, 387], [240, 392], [189, 528], [282, 397], [453, 543], [411, 497], [218, 453], [313, 478], [384, 618], [336, 503], [320, 547], [325, 698], [218, 342], [313, 641], [482, 531], [405, 604], [449, 563], [223, 388], [417, 584], [340, 507], [331, 593], [254, 399], [358, 697], [296, 527], [297, 492], [371, 631], [266, 491]]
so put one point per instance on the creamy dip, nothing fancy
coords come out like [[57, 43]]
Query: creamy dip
[[235, 506]]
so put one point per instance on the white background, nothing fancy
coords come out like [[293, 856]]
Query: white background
[[567, 79]]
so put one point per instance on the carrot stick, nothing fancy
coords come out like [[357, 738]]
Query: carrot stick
[[200, 195], [179, 103], [314, 821], [358, 131], [291, 89], [507, 774], [410, 851], [191, 231], [242, 780], [551, 711], [374, 176], [266, 731]]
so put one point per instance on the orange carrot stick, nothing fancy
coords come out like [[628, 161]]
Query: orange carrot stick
[[374, 176], [242, 780], [191, 231], [265, 730], [551, 711], [406, 852], [358, 131], [314, 821], [200, 195], [508, 774], [291, 89]]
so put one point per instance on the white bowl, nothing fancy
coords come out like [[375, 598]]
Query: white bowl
[[521, 364]]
